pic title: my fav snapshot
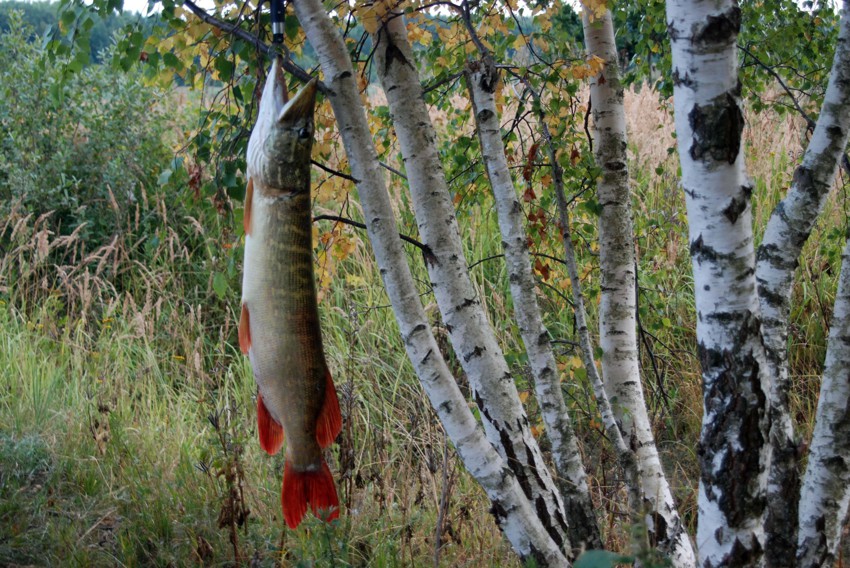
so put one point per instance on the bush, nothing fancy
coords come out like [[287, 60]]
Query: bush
[[86, 146]]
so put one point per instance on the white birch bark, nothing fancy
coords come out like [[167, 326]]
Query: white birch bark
[[584, 529], [733, 451], [510, 507], [787, 231], [470, 333], [618, 305], [826, 483], [625, 456]]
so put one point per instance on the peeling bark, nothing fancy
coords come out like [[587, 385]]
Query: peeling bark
[[512, 510], [826, 484], [787, 231], [618, 305], [584, 529], [733, 451]]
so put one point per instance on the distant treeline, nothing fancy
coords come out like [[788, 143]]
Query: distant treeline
[[42, 15]]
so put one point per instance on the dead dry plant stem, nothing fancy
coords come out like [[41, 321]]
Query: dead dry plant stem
[[444, 503]]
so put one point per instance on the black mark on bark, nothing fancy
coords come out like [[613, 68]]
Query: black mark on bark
[[717, 129]]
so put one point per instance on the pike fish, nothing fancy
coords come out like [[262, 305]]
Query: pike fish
[[279, 324]]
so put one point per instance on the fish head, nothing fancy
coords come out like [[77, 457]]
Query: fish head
[[282, 140]]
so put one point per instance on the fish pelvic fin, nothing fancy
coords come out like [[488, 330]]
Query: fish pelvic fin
[[270, 431], [244, 330], [249, 206], [315, 488], [329, 423]]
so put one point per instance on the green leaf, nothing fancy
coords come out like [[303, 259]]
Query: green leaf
[[220, 285], [172, 61], [164, 177], [602, 559], [57, 93], [224, 67]]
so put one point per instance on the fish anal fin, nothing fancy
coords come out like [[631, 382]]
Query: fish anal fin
[[329, 423], [249, 206], [244, 330], [315, 488], [270, 431]]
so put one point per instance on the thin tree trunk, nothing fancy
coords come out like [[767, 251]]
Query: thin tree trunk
[[787, 231], [826, 484], [584, 529], [733, 452], [618, 305], [511, 509], [625, 456], [471, 334]]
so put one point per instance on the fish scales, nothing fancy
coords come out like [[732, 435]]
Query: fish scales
[[287, 357], [279, 327]]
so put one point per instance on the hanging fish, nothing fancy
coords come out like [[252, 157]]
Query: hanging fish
[[279, 325]]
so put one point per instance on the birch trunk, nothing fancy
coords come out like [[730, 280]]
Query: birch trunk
[[787, 231], [733, 453], [584, 529], [510, 507], [625, 456], [826, 484], [470, 332], [618, 306]]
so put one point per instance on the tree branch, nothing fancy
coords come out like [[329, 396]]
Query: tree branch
[[423, 247], [248, 37]]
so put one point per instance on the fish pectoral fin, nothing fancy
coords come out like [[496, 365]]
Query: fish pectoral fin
[[270, 431], [249, 206], [315, 488], [329, 423], [244, 330]]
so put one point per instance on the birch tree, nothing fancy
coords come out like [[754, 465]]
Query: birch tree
[[469, 330], [618, 306], [733, 452], [709, 123], [778, 257]]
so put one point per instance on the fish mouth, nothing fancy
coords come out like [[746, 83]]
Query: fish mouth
[[302, 104]]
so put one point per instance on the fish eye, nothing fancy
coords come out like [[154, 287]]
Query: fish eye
[[304, 133]]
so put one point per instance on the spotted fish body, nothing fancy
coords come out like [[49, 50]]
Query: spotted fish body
[[279, 325]]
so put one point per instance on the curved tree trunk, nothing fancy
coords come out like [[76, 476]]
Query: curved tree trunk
[[733, 452], [826, 484], [471, 334], [618, 306], [584, 529], [787, 231], [511, 508]]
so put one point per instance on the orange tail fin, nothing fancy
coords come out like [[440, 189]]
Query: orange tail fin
[[271, 433], [330, 419], [315, 488], [244, 330]]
